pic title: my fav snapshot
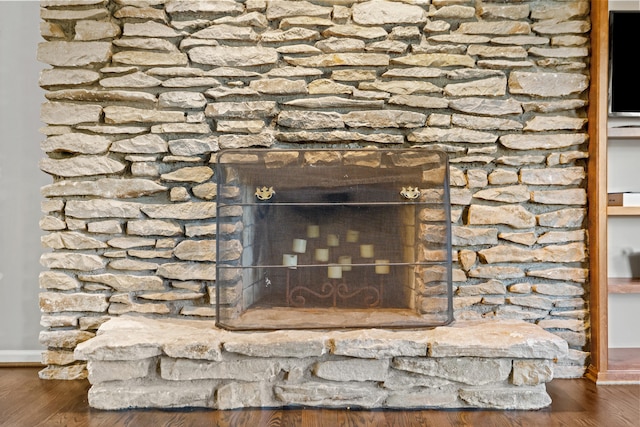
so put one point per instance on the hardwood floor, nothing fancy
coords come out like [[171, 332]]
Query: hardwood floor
[[27, 401]]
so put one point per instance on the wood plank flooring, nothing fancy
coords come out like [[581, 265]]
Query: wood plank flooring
[[27, 401]]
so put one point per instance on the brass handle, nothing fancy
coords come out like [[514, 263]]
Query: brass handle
[[410, 193], [264, 193]]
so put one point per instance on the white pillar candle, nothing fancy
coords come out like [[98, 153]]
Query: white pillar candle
[[313, 231], [334, 271], [352, 236], [322, 255], [366, 251], [299, 246], [289, 260], [345, 262], [332, 240], [381, 268]]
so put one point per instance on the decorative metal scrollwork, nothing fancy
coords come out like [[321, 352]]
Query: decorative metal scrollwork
[[410, 193], [264, 193]]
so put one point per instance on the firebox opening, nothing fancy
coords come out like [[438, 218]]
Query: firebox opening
[[320, 251]]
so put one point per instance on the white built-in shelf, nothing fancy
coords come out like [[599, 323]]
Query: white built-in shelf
[[623, 210], [624, 285], [629, 132]]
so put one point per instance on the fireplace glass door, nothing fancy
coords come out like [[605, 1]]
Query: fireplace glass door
[[333, 239]]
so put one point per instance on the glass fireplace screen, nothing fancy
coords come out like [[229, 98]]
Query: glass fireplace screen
[[333, 239]]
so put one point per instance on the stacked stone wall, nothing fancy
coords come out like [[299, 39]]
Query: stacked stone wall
[[142, 94]]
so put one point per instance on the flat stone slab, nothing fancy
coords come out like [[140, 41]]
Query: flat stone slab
[[132, 338]]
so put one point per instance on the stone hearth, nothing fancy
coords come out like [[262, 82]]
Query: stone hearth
[[137, 362]]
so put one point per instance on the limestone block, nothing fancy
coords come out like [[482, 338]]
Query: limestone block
[[186, 100], [57, 357], [242, 110], [76, 143], [101, 371], [219, 7], [53, 302], [468, 236], [310, 119], [505, 338], [441, 397], [186, 211], [245, 369], [292, 34], [120, 115], [71, 240], [403, 380], [379, 344], [125, 282], [334, 102], [522, 398], [282, 9], [515, 216], [108, 188], [527, 372], [227, 32], [552, 27], [57, 280], [187, 271], [458, 12], [153, 227], [61, 113], [147, 44], [81, 166], [240, 126], [339, 137], [95, 30], [130, 242], [495, 86], [335, 44], [72, 261], [73, 54], [223, 56], [188, 128], [352, 370], [64, 338], [355, 31], [193, 146], [136, 79], [547, 84], [152, 394], [196, 250], [296, 344], [251, 19], [386, 118], [68, 372], [330, 395], [340, 59], [466, 370], [433, 134], [563, 218], [265, 139], [237, 395]]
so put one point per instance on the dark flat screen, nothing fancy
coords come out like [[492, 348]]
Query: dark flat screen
[[624, 53]]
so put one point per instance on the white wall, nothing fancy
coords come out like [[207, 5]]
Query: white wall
[[20, 181]]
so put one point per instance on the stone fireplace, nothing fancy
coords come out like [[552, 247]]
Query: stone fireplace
[[145, 97]]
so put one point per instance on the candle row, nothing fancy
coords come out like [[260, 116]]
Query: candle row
[[313, 232], [335, 270], [322, 254]]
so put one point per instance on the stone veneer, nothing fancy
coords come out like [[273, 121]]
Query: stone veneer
[[146, 363], [141, 94]]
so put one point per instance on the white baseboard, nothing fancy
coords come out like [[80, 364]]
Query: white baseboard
[[20, 356]]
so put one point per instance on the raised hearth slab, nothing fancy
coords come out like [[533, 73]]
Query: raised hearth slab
[[138, 362]]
